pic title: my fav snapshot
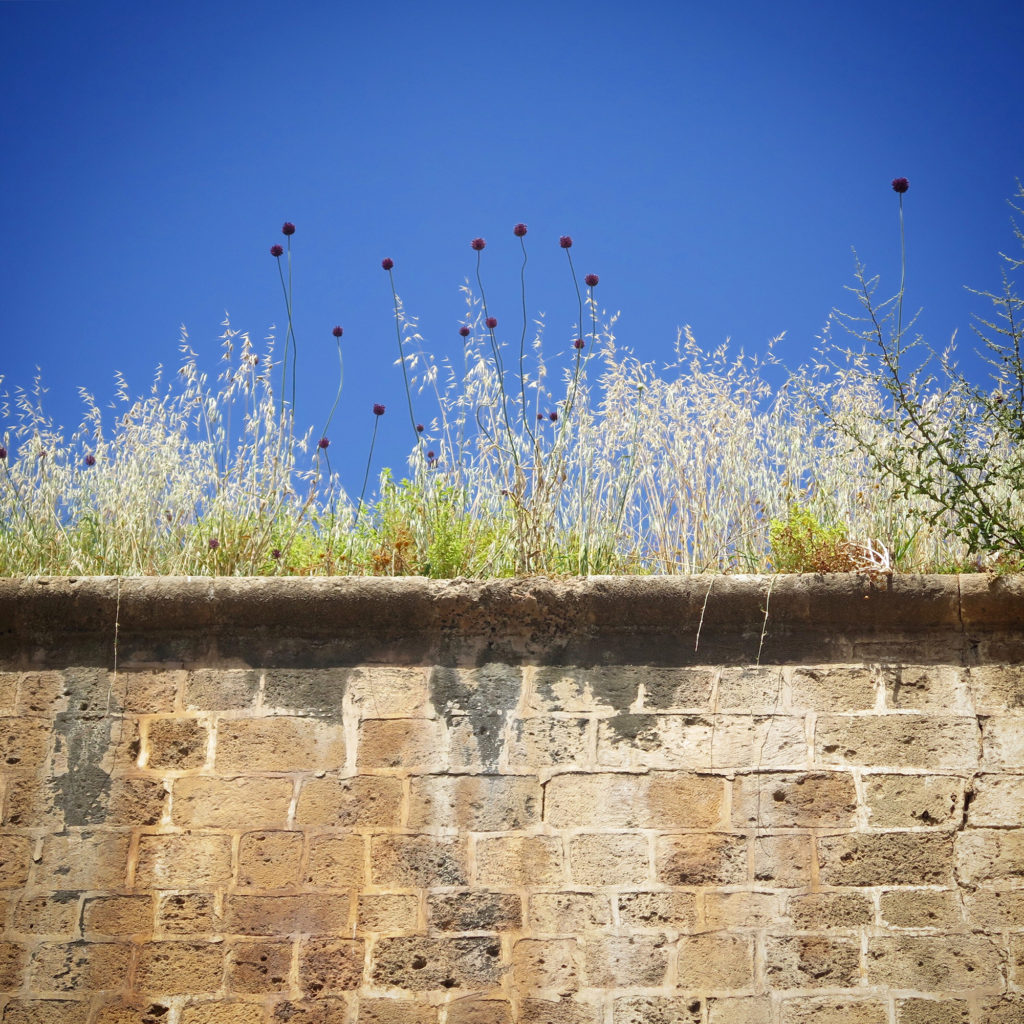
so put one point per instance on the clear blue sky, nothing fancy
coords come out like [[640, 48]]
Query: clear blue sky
[[714, 163]]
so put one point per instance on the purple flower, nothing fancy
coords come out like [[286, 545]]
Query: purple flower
[[3, 453], [464, 331], [565, 242], [90, 459], [387, 263], [478, 244], [276, 250], [378, 409], [540, 416], [323, 443], [419, 428], [519, 230], [591, 280], [276, 553], [338, 332], [492, 322], [553, 416], [431, 455], [578, 343], [214, 543], [287, 228], [900, 185]]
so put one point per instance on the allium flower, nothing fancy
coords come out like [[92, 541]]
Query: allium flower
[[214, 543], [578, 343], [3, 453], [553, 416], [519, 230], [900, 185], [419, 428], [90, 459], [387, 263], [276, 553], [492, 322], [323, 443], [478, 244], [287, 228], [540, 416], [565, 242], [378, 409], [338, 332], [591, 280], [276, 250], [464, 331], [431, 455]]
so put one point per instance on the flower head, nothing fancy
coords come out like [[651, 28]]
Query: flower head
[[338, 332], [419, 428], [478, 244], [591, 280], [3, 453], [276, 250], [553, 416], [378, 409], [287, 228], [578, 343], [519, 230], [387, 263], [214, 543], [464, 331], [540, 416], [431, 455], [900, 185], [276, 553], [492, 322], [565, 242], [323, 443], [90, 459]]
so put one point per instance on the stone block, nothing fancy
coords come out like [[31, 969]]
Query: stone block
[[316, 692], [834, 1010], [997, 801], [13, 958], [544, 742], [716, 961], [279, 743], [15, 860], [564, 1010], [677, 689], [418, 861], [994, 911], [656, 1010], [32, 694], [626, 961], [409, 744], [669, 908], [610, 859], [221, 1012], [221, 689], [811, 961], [365, 801], [200, 802], [259, 967], [188, 860], [597, 688], [118, 915], [743, 1010], [83, 860], [1002, 743], [420, 963], [933, 1011], [728, 911], [474, 911], [568, 913], [476, 742], [175, 744], [627, 800], [388, 912], [552, 965], [913, 801], [307, 913], [46, 1011], [654, 741], [990, 855], [188, 914], [330, 966], [832, 688], [997, 689], [897, 740], [336, 862], [55, 913], [480, 1011], [145, 691], [767, 741], [943, 962], [897, 858], [79, 967], [782, 861], [269, 859], [180, 968], [794, 800], [393, 691], [474, 803], [824, 911], [711, 858], [395, 1011], [519, 860], [128, 1010], [24, 742], [941, 688], [1008, 1009], [922, 908]]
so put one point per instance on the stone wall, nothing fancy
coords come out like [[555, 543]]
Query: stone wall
[[615, 801]]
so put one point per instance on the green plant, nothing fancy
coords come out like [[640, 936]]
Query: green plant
[[801, 543]]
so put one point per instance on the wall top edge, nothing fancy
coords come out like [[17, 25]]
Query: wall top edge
[[534, 607]]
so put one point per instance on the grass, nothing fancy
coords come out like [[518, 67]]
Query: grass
[[600, 463]]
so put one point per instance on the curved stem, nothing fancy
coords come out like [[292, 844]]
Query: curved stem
[[401, 359]]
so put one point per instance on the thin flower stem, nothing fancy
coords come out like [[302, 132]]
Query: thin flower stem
[[366, 475], [903, 279], [337, 397], [522, 345], [401, 359]]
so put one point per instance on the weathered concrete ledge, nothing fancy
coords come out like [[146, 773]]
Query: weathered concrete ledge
[[680, 619]]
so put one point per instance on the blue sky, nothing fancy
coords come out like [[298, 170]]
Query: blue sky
[[714, 164]]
